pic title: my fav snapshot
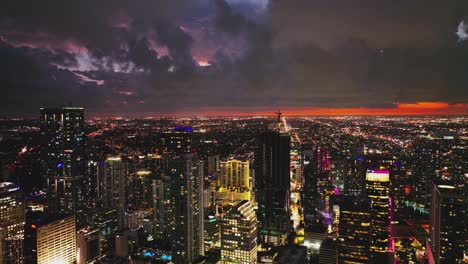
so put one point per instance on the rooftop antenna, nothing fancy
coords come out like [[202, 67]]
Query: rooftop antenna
[[279, 117]]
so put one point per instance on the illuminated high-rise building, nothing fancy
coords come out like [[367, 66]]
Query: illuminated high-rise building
[[448, 226], [114, 191], [62, 131], [400, 190], [354, 230], [272, 181], [378, 191], [234, 175], [162, 207], [239, 234], [233, 181], [12, 220], [56, 241], [187, 236]]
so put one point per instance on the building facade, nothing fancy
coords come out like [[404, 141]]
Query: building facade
[[272, 173], [12, 221], [56, 241], [239, 234]]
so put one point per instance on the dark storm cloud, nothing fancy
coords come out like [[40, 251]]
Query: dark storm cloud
[[27, 83], [178, 42], [383, 24], [126, 56]]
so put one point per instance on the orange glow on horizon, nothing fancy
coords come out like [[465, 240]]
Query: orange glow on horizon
[[418, 108], [401, 109]]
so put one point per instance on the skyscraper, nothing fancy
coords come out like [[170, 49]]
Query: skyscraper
[[354, 230], [62, 131], [272, 181], [448, 226], [56, 241], [115, 187], [239, 234], [162, 207], [378, 191], [186, 172], [235, 175], [12, 220], [234, 181]]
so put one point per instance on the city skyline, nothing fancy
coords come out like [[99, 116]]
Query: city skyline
[[234, 132]]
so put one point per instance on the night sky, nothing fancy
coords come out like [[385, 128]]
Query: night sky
[[187, 57]]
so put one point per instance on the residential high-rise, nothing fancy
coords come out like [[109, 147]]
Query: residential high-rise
[[239, 234], [235, 175], [354, 230], [12, 220], [162, 207], [187, 237], [234, 181], [378, 191], [114, 191], [140, 190], [272, 172], [56, 241], [62, 131], [448, 226]]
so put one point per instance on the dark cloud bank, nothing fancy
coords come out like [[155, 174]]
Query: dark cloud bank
[[127, 57]]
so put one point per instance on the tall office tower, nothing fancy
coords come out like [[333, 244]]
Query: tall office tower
[[448, 227], [354, 181], [324, 178], [309, 193], [235, 175], [52, 147], [239, 234], [273, 186], [162, 207], [62, 130], [426, 159], [400, 190], [56, 241], [115, 184], [94, 188], [12, 220], [186, 172], [378, 191], [354, 230], [140, 190]]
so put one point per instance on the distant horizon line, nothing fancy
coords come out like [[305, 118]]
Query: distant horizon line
[[399, 109], [149, 117]]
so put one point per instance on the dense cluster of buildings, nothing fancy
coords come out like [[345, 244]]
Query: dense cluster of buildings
[[251, 190]]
